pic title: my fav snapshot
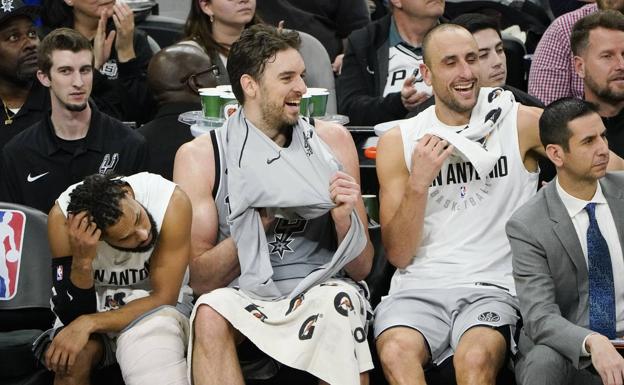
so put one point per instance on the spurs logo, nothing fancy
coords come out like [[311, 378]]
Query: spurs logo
[[108, 163], [7, 5]]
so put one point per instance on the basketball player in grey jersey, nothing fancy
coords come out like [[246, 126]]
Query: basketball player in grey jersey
[[271, 103]]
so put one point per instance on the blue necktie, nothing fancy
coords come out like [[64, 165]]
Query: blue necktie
[[601, 292]]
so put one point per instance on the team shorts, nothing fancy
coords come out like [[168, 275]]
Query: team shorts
[[442, 316]]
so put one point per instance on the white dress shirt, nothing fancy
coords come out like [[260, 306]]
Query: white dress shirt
[[606, 224]]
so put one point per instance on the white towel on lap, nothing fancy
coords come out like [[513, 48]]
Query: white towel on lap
[[322, 331]]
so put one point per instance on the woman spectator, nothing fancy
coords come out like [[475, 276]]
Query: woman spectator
[[121, 53], [214, 25]]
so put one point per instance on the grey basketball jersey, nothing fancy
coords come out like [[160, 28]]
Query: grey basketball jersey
[[296, 247]]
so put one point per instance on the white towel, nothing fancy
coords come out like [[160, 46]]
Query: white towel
[[479, 141], [322, 331]]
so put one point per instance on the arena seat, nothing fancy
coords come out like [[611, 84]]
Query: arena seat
[[25, 282], [163, 29], [319, 71]]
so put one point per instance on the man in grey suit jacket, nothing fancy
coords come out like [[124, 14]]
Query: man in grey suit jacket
[[549, 240]]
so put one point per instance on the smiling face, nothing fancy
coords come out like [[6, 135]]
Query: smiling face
[[601, 65], [280, 89], [492, 58], [452, 70], [70, 79], [588, 152], [135, 231], [18, 49]]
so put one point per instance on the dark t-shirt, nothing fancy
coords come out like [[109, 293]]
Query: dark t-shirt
[[615, 133], [329, 21], [36, 105]]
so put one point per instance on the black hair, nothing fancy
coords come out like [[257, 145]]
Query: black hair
[[475, 22], [100, 196], [553, 124]]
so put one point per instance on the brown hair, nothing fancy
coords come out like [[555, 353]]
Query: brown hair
[[61, 39], [608, 19], [256, 46]]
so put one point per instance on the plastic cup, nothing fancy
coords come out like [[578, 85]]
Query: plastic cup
[[211, 102], [304, 107], [318, 101], [229, 104], [225, 88], [372, 207]]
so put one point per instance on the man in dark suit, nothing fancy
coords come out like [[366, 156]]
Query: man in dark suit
[[567, 249]]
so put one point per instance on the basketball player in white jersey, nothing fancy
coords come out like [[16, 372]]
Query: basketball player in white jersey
[[120, 249], [443, 223]]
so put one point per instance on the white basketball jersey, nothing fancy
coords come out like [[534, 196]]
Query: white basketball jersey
[[122, 276], [464, 241]]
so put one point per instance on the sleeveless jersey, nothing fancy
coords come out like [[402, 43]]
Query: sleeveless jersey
[[296, 247], [122, 276], [463, 240]]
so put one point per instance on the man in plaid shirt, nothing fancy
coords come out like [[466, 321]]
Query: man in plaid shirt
[[552, 74]]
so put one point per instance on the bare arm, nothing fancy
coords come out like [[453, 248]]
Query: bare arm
[[403, 196], [212, 265], [528, 136], [168, 263], [346, 193], [531, 145], [78, 237]]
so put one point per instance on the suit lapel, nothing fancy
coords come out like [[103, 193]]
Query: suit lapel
[[565, 231], [615, 199]]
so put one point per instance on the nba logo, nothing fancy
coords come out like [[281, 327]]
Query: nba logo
[[12, 225], [462, 191]]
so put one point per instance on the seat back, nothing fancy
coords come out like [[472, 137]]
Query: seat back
[[517, 62], [319, 71], [25, 278], [164, 30]]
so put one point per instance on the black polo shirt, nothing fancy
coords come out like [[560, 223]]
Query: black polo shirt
[[37, 166], [615, 133], [36, 105], [165, 134]]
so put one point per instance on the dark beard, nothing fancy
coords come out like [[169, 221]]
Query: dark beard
[[142, 249], [76, 107]]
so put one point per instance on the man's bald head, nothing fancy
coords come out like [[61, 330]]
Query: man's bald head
[[169, 70], [436, 37]]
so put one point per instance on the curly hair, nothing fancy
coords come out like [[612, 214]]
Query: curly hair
[[256, 46], [99, 195]]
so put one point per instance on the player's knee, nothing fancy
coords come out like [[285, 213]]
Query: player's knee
[[475, 358], [395, 348], [80, 370], [210, 326]]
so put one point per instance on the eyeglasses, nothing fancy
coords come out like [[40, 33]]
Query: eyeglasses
[[191, 80]]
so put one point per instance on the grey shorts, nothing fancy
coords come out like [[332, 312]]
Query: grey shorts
[[442, 316]]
